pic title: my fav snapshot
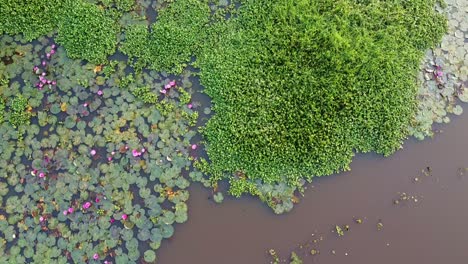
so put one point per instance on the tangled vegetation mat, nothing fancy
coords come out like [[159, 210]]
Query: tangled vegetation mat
[[99, 126]]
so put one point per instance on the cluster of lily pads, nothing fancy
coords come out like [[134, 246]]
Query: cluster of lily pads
[[443, 79], [96, 156], [99, 174]]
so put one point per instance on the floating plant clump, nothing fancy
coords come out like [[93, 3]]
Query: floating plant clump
[[99, 172]]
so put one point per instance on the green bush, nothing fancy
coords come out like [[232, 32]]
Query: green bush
[[87, 32], [298, 86]]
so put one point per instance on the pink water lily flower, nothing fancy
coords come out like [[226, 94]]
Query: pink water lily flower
[[52, 52], [92, 152], [54, 83], [71, 210], [190, 106], [124, 216], [96, 256], [65, 212], [172, 83], [109, 158], [41, 175], [112, 220], [167, 86], [41, 219], [86, 205], [99, 92], [194, 146], [97, 200], [163, 91], [135, 153]]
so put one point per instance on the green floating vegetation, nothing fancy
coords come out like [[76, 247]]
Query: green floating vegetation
[[299, 86], [87, 32], [295, 259], [178, 33], [31, 18], [19, 114]]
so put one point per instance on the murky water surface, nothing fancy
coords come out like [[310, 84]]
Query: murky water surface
[[430, 226]]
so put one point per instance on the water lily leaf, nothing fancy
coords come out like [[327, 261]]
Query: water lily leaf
[[457, 110], [149, 256]]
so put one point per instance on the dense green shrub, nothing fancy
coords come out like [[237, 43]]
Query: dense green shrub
[[33, 18], [87, 32], [299, 86]]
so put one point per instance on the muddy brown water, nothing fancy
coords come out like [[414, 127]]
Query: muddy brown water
[[432, 230]]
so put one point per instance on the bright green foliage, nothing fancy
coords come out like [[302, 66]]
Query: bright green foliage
[[87, 32], [135, 45], [18, 111], [146, 95], [298, 86], [184, 96], [33, 18], [178, 33], [126, 81]]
